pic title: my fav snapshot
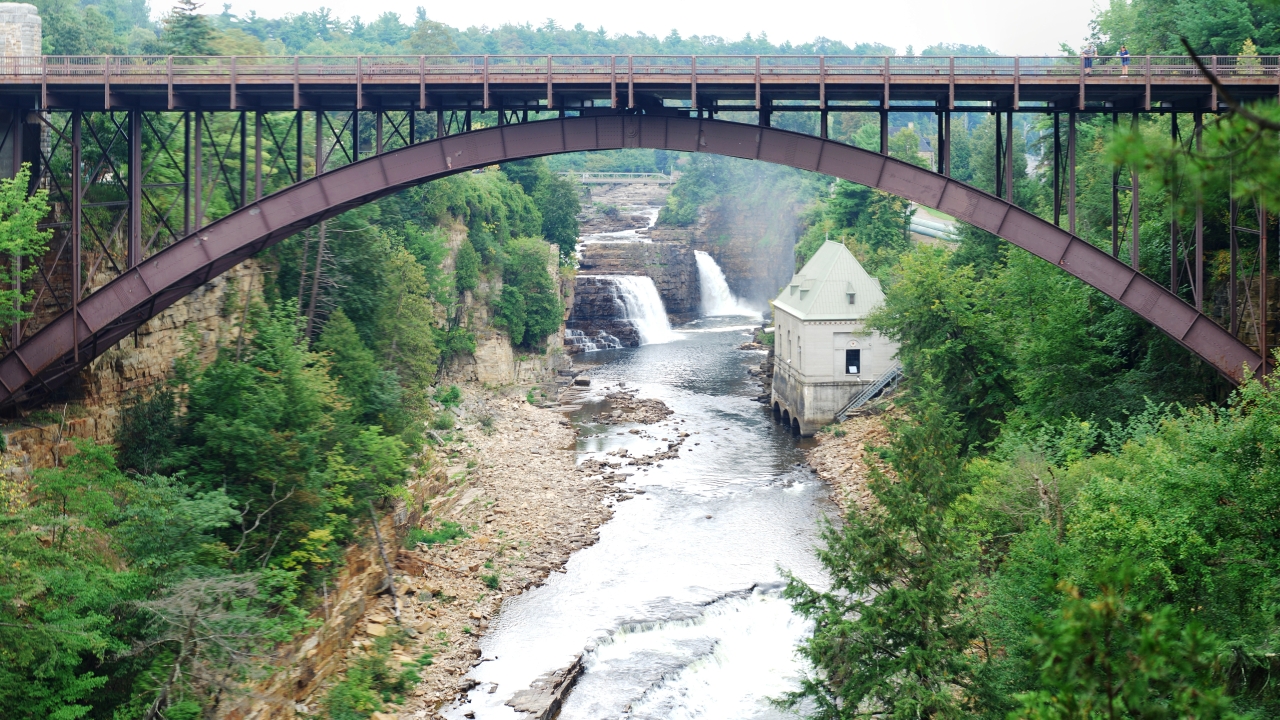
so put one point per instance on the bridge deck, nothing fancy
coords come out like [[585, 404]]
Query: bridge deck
[[781, 83]]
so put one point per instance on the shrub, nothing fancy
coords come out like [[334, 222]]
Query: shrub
[[447, 532], [491, 581], [444, 420], [449, 397]]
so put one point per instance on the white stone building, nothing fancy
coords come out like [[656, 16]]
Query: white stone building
[[824, 354]]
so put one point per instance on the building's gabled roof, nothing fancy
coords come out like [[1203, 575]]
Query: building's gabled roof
[[821, 290]]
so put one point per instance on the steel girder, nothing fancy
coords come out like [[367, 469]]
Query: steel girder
[[60, 349]]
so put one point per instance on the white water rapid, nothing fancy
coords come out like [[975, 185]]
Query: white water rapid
[[717, 298], [643, 305]]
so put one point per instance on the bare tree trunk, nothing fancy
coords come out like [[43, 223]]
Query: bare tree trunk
[[382, 550], [315, 282]]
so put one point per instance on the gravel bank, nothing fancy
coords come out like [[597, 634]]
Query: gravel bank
[[843, 458], [525, 508]]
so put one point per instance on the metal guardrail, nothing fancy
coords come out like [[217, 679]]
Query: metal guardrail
[[55, 68], [890, 376], [620, 178]]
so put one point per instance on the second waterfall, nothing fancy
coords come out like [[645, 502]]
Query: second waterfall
[[717, 298]]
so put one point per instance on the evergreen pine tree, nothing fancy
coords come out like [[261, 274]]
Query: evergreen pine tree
[[892, 637], [186, 31]]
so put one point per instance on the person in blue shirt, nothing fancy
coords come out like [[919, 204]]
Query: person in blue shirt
[[1124, 61]]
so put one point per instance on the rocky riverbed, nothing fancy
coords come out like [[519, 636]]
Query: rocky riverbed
[[844, 455], [524, 507]]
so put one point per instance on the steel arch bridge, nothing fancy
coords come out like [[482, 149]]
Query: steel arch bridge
[[56, 352]]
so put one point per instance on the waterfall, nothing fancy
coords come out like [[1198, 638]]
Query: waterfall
[[717, 298], [643, 308]]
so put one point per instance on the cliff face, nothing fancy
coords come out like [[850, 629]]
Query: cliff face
[[495, 362], [751, 236], [89, 406], [671, 265]]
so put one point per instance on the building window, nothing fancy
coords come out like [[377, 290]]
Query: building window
[[852, 362]]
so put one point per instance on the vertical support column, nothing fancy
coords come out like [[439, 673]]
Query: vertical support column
[[186, 173], [355, 136], [377, 131], [486, 81], [1071, 173], [1115, 197], [939, 151], [15, 139], [613, 81], [439, 123], [1057, 169], [550, 96], [257, 156], [1008, 157], [1232, 298], [884, 131], [1198, 270], [134, 254], [1000, 143], [422, 82], [298, 144], [822, 118], [77, 192], [1134, 223], [1262, 284], [198, 180], [1174, 240], [631, 81], [244, 158], [322, 158], [946, 146]]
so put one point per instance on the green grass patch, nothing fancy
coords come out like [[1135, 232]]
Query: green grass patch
[[490, 581], [448, 531]]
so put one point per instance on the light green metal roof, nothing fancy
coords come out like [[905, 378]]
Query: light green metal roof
[[820, 291]]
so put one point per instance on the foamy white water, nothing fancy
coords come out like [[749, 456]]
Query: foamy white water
[[644, 308], [717, 298]]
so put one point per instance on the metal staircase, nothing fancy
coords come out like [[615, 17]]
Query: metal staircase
[[890, 376]]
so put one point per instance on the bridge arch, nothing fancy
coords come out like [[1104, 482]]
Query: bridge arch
[[59, 350]]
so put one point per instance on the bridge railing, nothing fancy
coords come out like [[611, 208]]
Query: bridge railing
[[76, 68]]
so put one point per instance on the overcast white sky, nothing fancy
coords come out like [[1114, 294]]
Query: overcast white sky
[[1008, 26]]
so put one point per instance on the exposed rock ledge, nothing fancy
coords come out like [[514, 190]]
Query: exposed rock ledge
[[845, 462]]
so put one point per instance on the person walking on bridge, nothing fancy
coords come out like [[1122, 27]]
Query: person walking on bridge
[[1088, 59], [1124, 61]]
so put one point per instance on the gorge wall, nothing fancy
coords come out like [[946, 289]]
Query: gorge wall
[[89, 406]]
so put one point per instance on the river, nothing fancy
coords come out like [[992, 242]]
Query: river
[[676, 611]]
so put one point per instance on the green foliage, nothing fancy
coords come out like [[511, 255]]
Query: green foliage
[[529, 307], [1109, 657], [370, 681], [466, 266], [449, 397], [147, 429], [936, 313], [893, 634], [20, 238], [186, 31], [448, 531], [491, 581]]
